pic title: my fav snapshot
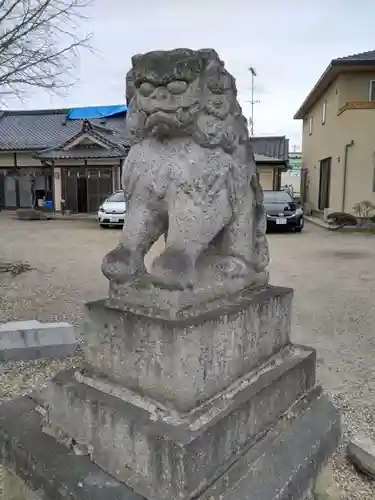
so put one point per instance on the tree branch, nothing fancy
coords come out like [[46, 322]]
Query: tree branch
[[39, 44]]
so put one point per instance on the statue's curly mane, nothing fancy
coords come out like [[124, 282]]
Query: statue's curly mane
[[215, 119]]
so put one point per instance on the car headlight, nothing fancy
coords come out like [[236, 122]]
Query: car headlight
[[299, 211], [101, 209]]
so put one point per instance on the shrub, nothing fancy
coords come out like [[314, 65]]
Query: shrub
[[338, 220], [364, 208]]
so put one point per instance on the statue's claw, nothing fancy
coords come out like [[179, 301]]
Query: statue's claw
[[122, 265], [174, 269]]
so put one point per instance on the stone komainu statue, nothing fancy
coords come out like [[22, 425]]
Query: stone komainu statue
[[190, 174]]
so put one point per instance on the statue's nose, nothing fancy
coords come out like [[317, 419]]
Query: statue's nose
[[160, 93]]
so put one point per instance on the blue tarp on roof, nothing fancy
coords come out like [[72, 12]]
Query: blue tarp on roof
[[89, 112]]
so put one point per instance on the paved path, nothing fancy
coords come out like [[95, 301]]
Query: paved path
[[334, 307]]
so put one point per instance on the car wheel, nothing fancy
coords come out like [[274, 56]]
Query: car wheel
[[301, 226]]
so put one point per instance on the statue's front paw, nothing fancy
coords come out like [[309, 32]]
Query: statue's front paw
[[122, 265], [174, 269]]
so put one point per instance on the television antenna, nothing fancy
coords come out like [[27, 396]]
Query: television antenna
[[252, 102]]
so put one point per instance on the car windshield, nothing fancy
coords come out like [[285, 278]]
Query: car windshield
[[120, 197], [277, 197]]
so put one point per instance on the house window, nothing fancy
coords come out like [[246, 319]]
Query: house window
[[372, 90], [310, 125], [324, 112]]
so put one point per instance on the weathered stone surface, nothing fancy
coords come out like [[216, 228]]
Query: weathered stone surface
[[25, 340], [190, 174], [147, 298], [184, 361], [48, 467], [15, 489], [165, 455], [361, 451], [282, 465], [326, 487], [285, 463], [31, 214]]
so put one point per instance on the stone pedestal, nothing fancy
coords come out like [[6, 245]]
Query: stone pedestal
[[211, 402]]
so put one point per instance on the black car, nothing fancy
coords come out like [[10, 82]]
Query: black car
[[282, 211]]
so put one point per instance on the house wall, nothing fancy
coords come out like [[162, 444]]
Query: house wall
[[290, 179], [321, 143], [266, 177], [359, 125], [17, 190], [24, 160], [355, 86], [329, 140]]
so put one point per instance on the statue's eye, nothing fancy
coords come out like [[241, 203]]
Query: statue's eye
[[146, 89], [177, 87]]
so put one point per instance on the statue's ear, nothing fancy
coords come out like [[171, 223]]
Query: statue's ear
[[129, 83], [136, 59], [209, 54]]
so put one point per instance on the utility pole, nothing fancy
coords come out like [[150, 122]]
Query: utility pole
[[252, 102]]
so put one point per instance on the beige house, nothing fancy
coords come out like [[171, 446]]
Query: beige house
[[271, 158], [338, 145]]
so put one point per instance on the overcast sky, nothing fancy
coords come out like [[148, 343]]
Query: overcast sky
[[289, 44]]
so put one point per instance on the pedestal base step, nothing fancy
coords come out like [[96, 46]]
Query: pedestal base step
[[283, 465], [167, 456]]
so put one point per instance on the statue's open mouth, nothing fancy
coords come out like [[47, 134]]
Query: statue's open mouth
[[162, 124], [161, 117]]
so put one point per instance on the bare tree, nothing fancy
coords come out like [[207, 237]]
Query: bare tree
[[39, 42]]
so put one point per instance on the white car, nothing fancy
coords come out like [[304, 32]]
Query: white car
[[112, 211]]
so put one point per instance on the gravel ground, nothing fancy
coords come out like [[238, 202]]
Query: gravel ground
[[334, 309]]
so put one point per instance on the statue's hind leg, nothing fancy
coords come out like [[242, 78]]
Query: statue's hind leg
[[143, 225], [237, 238], [244, 240], [192, 226]]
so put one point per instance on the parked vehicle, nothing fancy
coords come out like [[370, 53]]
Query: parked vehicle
[[112, 211], [283, 211]]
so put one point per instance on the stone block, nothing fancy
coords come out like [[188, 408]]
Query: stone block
[[285, 463], [47, 468], [165, 455], [31, 214], [361, 451], [182, 362], [15, 489], [282, 464], [25, 340]]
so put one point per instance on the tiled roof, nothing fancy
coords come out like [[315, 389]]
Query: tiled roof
[[362, 56], [267, 159], [82, 152], [275, 147], [42, 129]]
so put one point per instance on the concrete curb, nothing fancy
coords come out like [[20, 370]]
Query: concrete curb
[[11, 214], [361, 452], [27, 340], [317, 222]]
